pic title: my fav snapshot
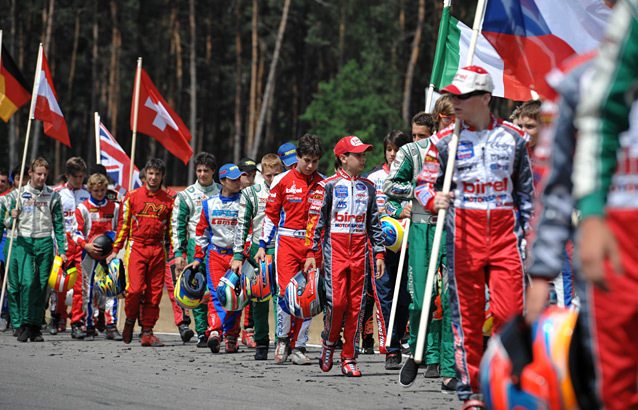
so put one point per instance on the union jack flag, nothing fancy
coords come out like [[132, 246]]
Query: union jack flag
[[116, 162]]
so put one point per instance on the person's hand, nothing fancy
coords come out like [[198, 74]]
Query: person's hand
[[180, 262], [111, 257], [260, 255], [406, 211], [380, 269], [64, 258], [193, 265], [93, 249], [442, 201], [14, 213], [597, 243], [311, 263], [235, 266], [535, 299]]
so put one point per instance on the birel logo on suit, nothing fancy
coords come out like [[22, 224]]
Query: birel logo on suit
[[483, 188], [293, 190], [346, 217]]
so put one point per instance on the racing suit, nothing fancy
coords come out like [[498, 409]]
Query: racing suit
[[71, 198], [492, 180], [145, 218], [214, 237], [287, 217], [606, 186], [400, 185], [39, 221], [94, 218], [186, 213], [343, 215], [252, 210]]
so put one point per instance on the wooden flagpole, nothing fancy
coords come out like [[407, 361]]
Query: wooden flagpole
[[98, 148], [136, 102]]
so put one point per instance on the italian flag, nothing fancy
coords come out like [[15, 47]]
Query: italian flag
[[451, 54]]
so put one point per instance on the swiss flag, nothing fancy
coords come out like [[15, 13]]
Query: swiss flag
[[46, 108], [158, 120]]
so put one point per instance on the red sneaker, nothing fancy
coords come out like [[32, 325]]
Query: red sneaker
[[149, 339], [248, 338], [349, 368], [231, 344], [325, 361], [127, 333]]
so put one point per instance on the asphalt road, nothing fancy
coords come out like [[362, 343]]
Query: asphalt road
[[62, 373]]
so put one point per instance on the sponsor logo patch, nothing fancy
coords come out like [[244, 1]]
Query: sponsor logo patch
[[341, 192], [465, 150]]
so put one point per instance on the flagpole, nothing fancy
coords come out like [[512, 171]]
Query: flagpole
[[98, 149], [447, 182], [38, 70], [138, 76], [437, 67]]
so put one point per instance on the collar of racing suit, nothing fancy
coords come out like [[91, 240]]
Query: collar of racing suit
[[70, 188], [95, 202], [205, 189], [492, 124], [386, 168], [231, 198], [34, 190], [307, 178], [343, 174]]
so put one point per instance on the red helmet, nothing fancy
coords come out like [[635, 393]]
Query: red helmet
[[306, 294], [257, 281]]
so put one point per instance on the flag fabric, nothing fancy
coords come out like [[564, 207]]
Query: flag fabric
[[455, 51], [535, 36], [14, 88], [46, 107], [116, 162], [158, 120]]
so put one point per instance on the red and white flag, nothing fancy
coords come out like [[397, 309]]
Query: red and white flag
[[116, 162], [46, 108], [158, 120]]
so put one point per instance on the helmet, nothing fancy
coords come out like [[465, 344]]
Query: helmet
[[528, 368], [62, 280], [229, 292], [105, 242], [111, 279], [190, 288], [392, 232], [258, 282], [306, 294]]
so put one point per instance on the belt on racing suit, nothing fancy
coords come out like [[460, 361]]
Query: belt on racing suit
[[429, 219], [219, 250], [294, 233]]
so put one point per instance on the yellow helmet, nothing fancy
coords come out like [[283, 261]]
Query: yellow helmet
[[62, 280]]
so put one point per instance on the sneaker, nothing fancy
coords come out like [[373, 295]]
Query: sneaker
[[449, 387], [77, 332], [392, 361], [112, 333], [281, 351], [149, 339], [17, 331], [54, 322], [90, 333], [62, 327], [231, 344], [432, 371], [185, 332], [127, 333], [349, 368], [24, 333], [214, 342], [248, 338], [408, 372], [202, 341], [475, 402], [405, 349], [101, 323], [298, 356], [36, 334], [261, 353], [325, 361]]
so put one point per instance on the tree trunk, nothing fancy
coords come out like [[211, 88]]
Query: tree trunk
[[95, 81], [238, 80], [13, 132], [414, 56], [271, 79], [113, 93], [260, 77], [193, 88], [342, 31], [252, 109]]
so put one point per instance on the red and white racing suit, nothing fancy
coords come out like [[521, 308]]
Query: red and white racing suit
[[94, 218], [145, 218], [344, 214], [287, 217], [492, 180]]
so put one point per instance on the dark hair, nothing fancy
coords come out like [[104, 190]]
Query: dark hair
[[157, 164], [75, 165], [424, 119], [15, 172], [309, 145], [530, 109], [98, 169], [142, 173], [397, 138], [338, 165], [4, 172], [204, 158]]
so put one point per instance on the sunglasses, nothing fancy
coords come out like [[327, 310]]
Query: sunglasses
[[468, 95], [446, 119]]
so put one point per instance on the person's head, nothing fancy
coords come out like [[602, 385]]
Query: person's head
[[287, 154], [514, 115], [97, 186], [352, 154], [205, 166], [443, 112], [230, 178], [15, 175], [471, 92], [249, 167], [143, 176], [59, 180], [422, 126], [271, 165], [391, 144], [4, 180], [39, 172], [309, 152], [75, 172], [528, 120], [337, 165], [154, 171]]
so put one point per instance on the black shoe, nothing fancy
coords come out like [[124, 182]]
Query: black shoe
[[36, 334], [101, 323], [202, 341], [408, 373], [214, 342], [449, 387], [25, 333], [261, 353], [17, 331], [185, 332], [432, 371], [77, 332], [53, 325], [392, 361], [90, 334]]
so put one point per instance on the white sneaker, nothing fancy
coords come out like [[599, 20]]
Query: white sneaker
[[298, 356], [281, 351]]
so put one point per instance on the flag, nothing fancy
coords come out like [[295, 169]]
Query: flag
[[454, 43], [115, 160], [14, 89], [535, 36], [158, 120]]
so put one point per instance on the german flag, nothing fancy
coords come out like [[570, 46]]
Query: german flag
[[14, 89]]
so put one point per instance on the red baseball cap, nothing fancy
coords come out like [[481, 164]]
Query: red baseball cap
[[351, 144]]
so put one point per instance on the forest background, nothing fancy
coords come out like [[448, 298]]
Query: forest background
[[348, 67]]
